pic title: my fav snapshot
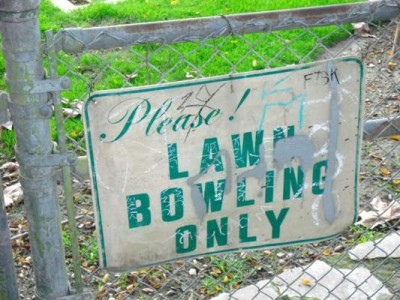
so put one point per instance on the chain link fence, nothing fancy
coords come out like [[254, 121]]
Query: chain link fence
[[137, 55]]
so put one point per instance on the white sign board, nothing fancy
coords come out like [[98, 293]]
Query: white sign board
[[247, 161]]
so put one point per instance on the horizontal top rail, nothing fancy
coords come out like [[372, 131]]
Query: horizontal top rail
[[75, 40]]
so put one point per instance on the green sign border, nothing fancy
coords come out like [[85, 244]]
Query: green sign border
[[98, 95]]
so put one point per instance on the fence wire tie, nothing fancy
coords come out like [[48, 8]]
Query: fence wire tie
[[231, 32]]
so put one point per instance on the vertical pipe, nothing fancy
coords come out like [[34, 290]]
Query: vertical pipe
[[30, 114], [396, 40], [66, 170], [8, 282]]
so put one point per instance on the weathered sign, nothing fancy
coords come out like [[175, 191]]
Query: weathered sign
[[247, 161]]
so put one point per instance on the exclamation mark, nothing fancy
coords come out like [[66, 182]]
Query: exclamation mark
[[246, 93]]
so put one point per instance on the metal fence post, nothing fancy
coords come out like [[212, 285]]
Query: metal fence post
[[8, 282], [30, 112]]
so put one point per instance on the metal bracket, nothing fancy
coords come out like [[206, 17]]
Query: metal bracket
[[40, 86], [51, 160], [4, 112]]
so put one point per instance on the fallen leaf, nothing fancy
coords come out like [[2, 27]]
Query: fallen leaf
[[305, 281], [395, 137], [75, 110], [391, 65], [119, 296], [384, 171], [174, 2], [132, 76], [105, 278], [267, 253], [362, 29], [378, 204], [130, 288], [218, 288], [22, 260], [236, 285], [216, 270], [101, 293], [74, 134], [383, 212], [396, 181], [147, 290], [13, 194], [7, 125], [192, 272], [10, 170], [327, 252], [225, 279], [214, 274], [155, 284], [69, 112], [9, 166]]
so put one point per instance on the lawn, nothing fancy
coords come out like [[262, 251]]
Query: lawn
[[136, 11], [155, 63]]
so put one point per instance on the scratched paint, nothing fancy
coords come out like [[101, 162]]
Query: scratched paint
[[245, 161]]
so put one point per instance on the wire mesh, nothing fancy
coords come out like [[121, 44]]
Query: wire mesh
[[255, 274]]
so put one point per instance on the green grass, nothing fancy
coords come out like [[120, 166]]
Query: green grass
[[363, 234], [154, 63], [7, 144], [89, 250], [227, 273], [130, 11]]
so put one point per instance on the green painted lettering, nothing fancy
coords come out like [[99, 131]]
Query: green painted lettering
[[164, 123], [160, 112], [269, 186], [241, 194], [212, 196], [181, 123], [276, 222], [244, 230], [199, 119], [211, 156], [139, 215], [212, 116], [291, 183], [217, 233], [318, 179], [173, 163], [133, 117], [247, 153], [167, 214], [279, 133], [185, 239]]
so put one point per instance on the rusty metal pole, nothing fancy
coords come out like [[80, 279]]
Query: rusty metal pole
[[30, 113]]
